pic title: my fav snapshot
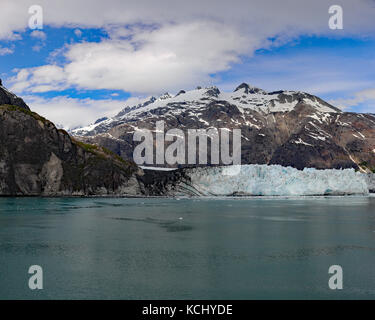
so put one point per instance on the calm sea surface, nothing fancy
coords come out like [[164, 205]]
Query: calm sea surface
[[261, 248]]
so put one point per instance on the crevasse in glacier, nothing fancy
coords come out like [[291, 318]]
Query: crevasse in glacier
[[275, 180]]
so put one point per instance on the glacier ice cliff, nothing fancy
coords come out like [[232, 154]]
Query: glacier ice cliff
[[370, 179], [270, 180]]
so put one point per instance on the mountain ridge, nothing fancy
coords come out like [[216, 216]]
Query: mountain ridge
[[289, 128], [256, 97], [37, 159]]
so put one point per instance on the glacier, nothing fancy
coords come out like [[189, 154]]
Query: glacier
[[272, 180]]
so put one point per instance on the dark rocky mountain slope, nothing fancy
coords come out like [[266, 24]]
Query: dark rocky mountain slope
[[38, 159]]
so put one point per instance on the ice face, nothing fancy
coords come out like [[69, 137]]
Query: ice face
[[275, 180]]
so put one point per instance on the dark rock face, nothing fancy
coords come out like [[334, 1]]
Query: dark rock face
[[38, 159], [247, 89], [282, 127], [163, 183], [180, 92], [100, 120], [7, 97], [213, 92]]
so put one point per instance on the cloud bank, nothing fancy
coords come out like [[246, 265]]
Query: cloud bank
[[165, 45], [169, 44]]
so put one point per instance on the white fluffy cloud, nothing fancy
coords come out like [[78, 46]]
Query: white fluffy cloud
[[170, 57], [38, 35], [39, 79], [69, 112], [260, 16], [5, 51], [366, 97], [170, 44]]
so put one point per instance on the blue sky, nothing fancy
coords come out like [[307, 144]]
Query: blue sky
[[77, 69]]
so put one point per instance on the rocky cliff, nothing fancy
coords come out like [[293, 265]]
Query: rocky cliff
[[38, 159], [9, 98]]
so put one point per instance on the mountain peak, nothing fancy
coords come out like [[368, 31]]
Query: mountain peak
[[180, 92], [7, 97], [212, 91], [249, 89], [164, 96]]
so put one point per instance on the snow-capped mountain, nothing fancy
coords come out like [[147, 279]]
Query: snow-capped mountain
[[289, 128], [245, 98]]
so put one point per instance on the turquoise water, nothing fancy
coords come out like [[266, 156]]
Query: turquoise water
[[187, 249]]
